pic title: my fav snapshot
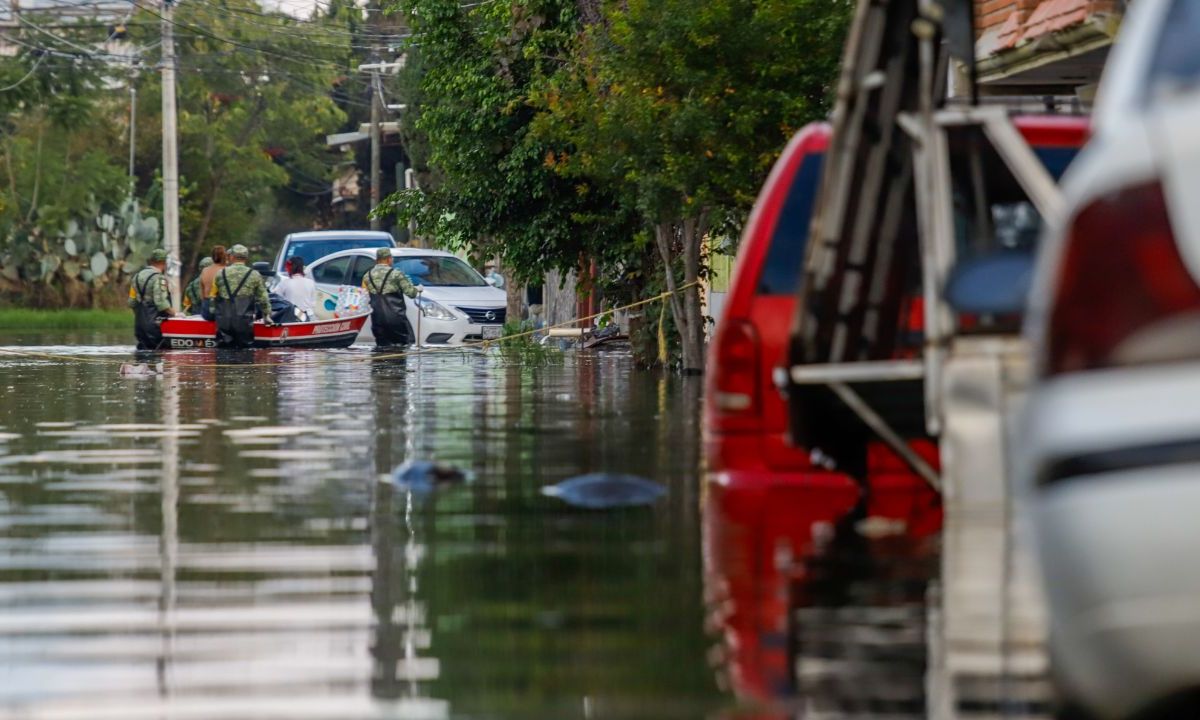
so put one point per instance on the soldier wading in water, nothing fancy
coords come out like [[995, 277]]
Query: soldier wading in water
[[236, 290], [150, 300], [387, 286]]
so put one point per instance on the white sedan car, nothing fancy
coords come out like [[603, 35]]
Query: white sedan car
[[1111, 450], [458, 305]]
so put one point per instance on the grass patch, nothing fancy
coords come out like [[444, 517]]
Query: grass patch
[[26, 319]]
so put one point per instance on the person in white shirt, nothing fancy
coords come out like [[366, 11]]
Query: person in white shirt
[[297, 289], [489, 273]]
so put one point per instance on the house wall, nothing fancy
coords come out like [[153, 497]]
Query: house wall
[[1009, 23]]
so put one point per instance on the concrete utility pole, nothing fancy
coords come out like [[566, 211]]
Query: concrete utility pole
[[132, 134], [376, 148], [170, 159], [377, 130]]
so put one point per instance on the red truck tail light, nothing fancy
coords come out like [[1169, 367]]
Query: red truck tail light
[[735, 377], [1122, 281]]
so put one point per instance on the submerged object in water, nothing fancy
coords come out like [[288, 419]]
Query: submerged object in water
[[422, 476], [139, 370], [600, 491]]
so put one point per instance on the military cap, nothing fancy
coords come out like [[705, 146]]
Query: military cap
[[239, 251], [159, 255], [206, 262], [382, 253]]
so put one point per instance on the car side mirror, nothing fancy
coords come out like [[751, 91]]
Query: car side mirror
[[490, 281], [264, 269], [994, 284]]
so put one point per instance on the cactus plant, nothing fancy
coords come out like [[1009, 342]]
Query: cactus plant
[[97, 247]]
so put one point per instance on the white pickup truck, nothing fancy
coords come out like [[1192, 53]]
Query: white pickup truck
[[316, 244]]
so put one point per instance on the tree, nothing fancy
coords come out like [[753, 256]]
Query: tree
[[681, 106], [256, 99], [254, 108], [488, 182]]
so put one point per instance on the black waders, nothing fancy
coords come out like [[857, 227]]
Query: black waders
[[389, 321], [145, 318], [235, 316]]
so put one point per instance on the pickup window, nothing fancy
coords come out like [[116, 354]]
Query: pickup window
[[781, 269], [312, 250]]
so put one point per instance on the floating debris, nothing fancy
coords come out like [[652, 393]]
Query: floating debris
[[602, 491], [140, 370], [423, 476]]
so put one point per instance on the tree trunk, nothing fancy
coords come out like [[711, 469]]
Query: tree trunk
[[693, 240], [512, 291], [218, 180], [202, 232], [37, 173], [685, 302]]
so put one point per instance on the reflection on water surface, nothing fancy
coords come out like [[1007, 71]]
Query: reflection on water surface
[[217, 541]]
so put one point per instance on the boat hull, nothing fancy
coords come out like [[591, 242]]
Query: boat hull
[[193, 332]]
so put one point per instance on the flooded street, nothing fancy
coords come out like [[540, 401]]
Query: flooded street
[[218, 540], [224, 541]]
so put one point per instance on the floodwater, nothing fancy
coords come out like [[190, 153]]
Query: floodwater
[[218, 542]]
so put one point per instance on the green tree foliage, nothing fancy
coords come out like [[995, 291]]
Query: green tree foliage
[[682, 105], [547, 125], [488, 182], [254, 107], [63, 230], [257, 93]]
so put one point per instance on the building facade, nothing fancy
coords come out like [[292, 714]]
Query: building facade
[[1044, 47]]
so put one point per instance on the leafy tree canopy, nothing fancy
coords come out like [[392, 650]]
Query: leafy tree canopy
[[487, 179]]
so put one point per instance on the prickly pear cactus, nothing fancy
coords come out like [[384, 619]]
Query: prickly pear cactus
[[99, 247]]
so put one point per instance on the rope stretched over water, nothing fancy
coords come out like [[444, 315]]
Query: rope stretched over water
[[328, 359]]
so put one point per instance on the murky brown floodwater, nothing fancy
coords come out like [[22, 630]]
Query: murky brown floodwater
[[217, 541]]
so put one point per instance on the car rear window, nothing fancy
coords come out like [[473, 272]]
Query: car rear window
[[1176, 62], [780, 272], [310, 250]]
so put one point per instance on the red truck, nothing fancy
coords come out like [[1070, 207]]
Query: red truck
[[764, 496]]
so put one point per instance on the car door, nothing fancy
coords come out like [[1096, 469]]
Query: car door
[[359, 269], [329, 276]]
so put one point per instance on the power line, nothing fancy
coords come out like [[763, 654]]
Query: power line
[[298, 22], [285, 25], [28, 75], [308, 61], [270, 73], [63, 40]]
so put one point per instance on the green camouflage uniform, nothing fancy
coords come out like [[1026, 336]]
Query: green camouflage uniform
[[191, 296], [398, 283], [156, 289], [255, 286]]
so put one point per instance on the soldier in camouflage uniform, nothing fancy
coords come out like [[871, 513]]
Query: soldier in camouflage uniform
[[191, 295], [235, 292], [151, 301], [387, 286]]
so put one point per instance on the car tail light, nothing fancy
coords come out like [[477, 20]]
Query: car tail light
[[1122, 280], [735, 379]]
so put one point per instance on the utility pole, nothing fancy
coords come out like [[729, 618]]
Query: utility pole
[[376, 149], [132, 133], [376, 130], [170, 152]]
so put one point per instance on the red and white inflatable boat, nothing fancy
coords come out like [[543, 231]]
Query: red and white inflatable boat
[[195, 332]]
